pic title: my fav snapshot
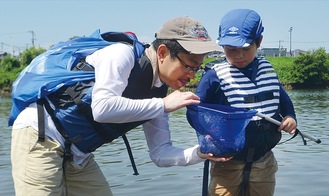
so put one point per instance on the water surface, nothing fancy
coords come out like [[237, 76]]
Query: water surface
[[303, 170]]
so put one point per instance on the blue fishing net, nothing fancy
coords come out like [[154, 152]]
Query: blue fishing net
[[220, 129]]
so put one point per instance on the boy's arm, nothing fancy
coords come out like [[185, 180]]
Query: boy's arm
[[286, 105], [289, 121]]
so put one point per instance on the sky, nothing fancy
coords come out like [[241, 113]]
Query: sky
[[46, 22]]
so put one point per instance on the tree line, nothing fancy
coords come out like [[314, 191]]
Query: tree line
[[10, 67], [309, 70]]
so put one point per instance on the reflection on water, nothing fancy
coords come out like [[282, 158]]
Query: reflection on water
[[6, 185], [303, 170]]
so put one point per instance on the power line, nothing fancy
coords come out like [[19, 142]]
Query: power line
[[13, 33], [299, 42]]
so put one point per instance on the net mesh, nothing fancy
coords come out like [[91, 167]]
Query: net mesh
[[220, 129]]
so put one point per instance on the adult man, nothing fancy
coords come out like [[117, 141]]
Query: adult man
[[124, 95]]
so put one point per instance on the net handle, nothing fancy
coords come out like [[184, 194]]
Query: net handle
[[276, 122]]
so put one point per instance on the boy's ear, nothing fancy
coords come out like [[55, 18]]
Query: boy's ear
[[259, 41]]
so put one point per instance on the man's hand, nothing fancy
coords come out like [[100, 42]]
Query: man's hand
[[211, 157], [177, 100]]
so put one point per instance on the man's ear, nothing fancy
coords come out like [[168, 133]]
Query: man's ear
[[163, 51]]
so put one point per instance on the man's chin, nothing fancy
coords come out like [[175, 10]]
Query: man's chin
[[177, 87]]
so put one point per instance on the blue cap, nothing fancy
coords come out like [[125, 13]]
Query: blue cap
[[239, 28]]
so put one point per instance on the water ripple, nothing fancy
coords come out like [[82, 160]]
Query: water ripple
[[299, 166]]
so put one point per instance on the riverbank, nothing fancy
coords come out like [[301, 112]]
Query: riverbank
[[300, 86], [6, 92]]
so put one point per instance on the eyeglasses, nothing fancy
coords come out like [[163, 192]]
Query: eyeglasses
[[188, 69]]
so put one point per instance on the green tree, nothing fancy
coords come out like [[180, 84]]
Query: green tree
[[311, 68], [29, 54], [8, 63], [283, 67], [10, 67]]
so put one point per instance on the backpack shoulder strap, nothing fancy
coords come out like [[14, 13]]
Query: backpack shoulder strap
[[126, 37]]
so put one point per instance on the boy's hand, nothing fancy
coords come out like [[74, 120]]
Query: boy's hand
[[288, 124]]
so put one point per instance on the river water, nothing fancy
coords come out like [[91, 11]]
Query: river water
[[303, 170]]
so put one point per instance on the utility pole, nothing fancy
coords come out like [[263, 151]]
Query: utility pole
[[280, 43], [290, 31], [33, 37], [280, 47]]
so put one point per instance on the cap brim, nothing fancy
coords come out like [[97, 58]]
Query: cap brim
[[233, 41], [200, 47]]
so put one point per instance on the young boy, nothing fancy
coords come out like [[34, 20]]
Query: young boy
[[246, 81]]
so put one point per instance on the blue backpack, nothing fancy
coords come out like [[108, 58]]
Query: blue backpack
[[51, 70], [54, 69]]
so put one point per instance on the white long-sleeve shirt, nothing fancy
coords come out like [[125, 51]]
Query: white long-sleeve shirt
[[113, 65]]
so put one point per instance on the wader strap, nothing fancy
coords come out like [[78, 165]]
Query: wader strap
[[41, 122], [67, 145], [205, 178], [41, 135], [247, 170], [131, 157]]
